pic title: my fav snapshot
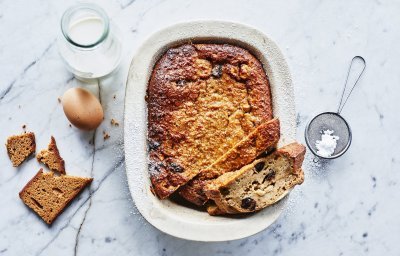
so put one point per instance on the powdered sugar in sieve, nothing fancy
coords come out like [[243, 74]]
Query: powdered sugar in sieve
[[332, 123]]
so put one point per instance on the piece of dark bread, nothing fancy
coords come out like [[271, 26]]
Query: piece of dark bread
[[259, 184], [263, 138], [51, 157], [20, 147], [202, 100], [48, 195]]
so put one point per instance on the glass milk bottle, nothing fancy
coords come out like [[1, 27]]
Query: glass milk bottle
[[89, 44]]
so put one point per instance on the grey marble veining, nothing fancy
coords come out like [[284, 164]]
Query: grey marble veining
[[348, 206]]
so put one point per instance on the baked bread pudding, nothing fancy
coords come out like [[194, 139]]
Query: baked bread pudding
[[209, 114], [259, 184]]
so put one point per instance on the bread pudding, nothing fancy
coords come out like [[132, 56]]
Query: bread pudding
[[202, 100], [209, 115]]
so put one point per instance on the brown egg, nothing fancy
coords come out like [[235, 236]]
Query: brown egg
[[82, 108]]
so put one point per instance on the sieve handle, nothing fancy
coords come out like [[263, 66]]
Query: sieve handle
[[340, 108]]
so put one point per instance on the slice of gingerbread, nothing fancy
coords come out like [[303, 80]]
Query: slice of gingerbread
[[20, 147], [48, 195], [51, 157]]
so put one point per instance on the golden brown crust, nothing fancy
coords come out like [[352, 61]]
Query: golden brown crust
[[296, 152], [202, 100], [51, 157], [20, 147], [263, 138], [256, 83]]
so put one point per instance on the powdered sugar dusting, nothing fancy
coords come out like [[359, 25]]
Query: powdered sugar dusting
[[153, 167]]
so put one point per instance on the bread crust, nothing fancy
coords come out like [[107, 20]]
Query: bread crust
[[202, 99], [296, 152]]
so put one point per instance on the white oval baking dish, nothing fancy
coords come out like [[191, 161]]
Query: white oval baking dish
[[166, 215]]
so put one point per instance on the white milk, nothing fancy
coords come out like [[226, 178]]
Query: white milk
[[89, 44], [86, 31]]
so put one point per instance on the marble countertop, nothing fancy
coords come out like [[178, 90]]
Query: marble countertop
[[347, 206]]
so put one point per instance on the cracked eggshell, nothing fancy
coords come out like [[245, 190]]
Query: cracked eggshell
[[82, 108]]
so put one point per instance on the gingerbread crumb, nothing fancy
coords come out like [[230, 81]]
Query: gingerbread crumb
[[113, 122], [106, 136], [70, 125], [115, 96], [24, 126], [59, 100]]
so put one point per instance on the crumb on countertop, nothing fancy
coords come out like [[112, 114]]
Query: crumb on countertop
[[115, 96], [59, 100], [70, 125], [106, 136], [114, 122], [24, 126]]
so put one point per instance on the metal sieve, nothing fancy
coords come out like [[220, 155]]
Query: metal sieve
[[333, 120]]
